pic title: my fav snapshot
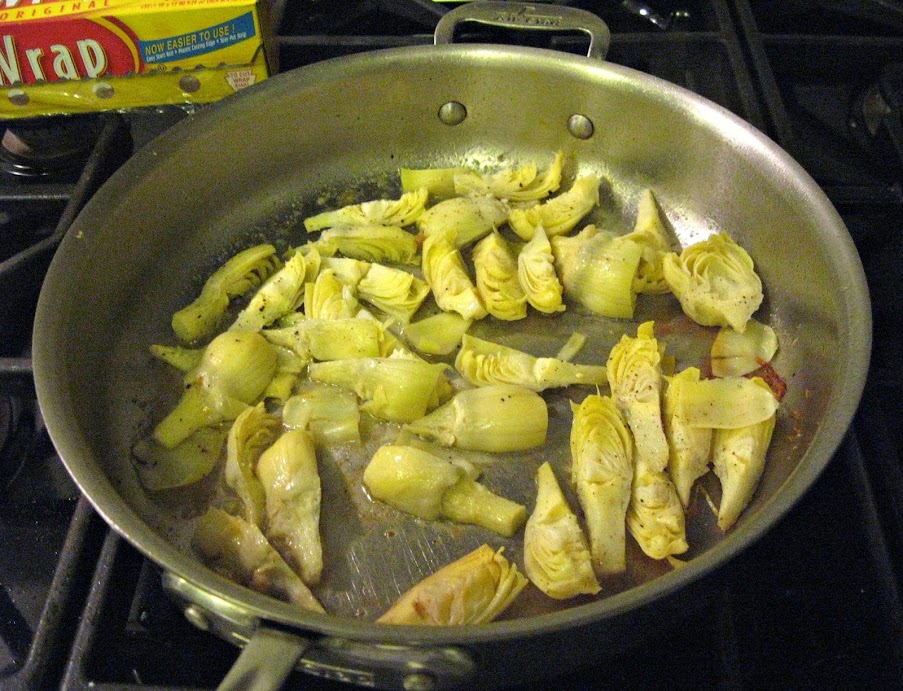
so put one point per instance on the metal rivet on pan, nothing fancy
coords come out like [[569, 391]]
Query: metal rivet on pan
[[18, 97], [453, 113], [189, 83], [419, 681], [580, 126], [197, 616]]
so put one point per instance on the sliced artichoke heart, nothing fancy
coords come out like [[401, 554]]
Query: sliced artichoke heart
[[727, 403], [537, 277], [474, 589], [371, 243], [497, 419], [330, 414], [394, 291], [558, 215], [466, 219], [513, 184], [447, 277], [689, 446], [282, 293], [388, 212], [715, 281], [556, 555], [497, 280], [735, 354], [329, 339], [438, 334]]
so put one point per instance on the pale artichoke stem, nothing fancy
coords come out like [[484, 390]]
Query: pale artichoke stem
[[193, 411], [470, 502]]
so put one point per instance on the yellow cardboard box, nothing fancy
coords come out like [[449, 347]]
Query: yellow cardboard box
[[75, 56]]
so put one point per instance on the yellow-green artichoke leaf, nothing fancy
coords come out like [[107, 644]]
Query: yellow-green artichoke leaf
[[497, 418], [655, 516], [735, 354], [738, 458], [288, 473], [238, 550], [715, 281], [635, 377], [328, 298], [160, 468], [329, 413], [466, 219], [439, 182], [438, 334], [483, 363], [394, 291], [329, 339], [242, 273], [537, 277], [393, 389], [251, 433], [727, 403], [183, 359], [689, 446], [602, 472], [556, 555], [448, 279], [282, 293], [474, 589], [513, 184], [558, 215], [597, 269], [370, 243], [497, 279], [400, 212], [650, 233]]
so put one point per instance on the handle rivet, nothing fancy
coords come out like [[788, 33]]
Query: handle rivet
[[419, 681], [453, 113], [197, 616], [580, 126]]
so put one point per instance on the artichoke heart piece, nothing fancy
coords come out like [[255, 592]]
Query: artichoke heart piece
[[483, 362], [556, 556], [243, 272], [393, 389], [349, 271], [418, 482], [447, 277], [513, 184], [649, 232], [330, 414], [252, 432], [371, 243], [474, 589], [328, 298], [466, 219], [558, 215], [387, 212], [735, 354], [690, 447], [439, 182], [160, 468], [234, 371], [396, 292], [438, 334], [728, 403], [239, 551], [738, 459], [597, 269], [287, 471], [497, 279], [498, 418], [715, 281], [635, 377], [602, 472], [282, 293], [655, 516], [329, 339], [537, 277]]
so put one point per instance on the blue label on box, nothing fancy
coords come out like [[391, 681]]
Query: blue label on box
[[198, 42]]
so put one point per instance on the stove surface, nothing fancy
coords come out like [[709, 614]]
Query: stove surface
[[815, 603]]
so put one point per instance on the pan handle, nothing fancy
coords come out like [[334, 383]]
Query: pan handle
[[270, 652], [517, 15]]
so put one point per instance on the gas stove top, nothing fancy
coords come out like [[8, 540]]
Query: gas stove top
[[814, 603]]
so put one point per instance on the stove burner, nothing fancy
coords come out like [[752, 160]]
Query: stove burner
[[876, 121], [48, 148], [12, 442]]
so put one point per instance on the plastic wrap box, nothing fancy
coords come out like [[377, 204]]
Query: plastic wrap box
[[64, 56]]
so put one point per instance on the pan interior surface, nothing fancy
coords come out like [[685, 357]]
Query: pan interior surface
[[235, 175]]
